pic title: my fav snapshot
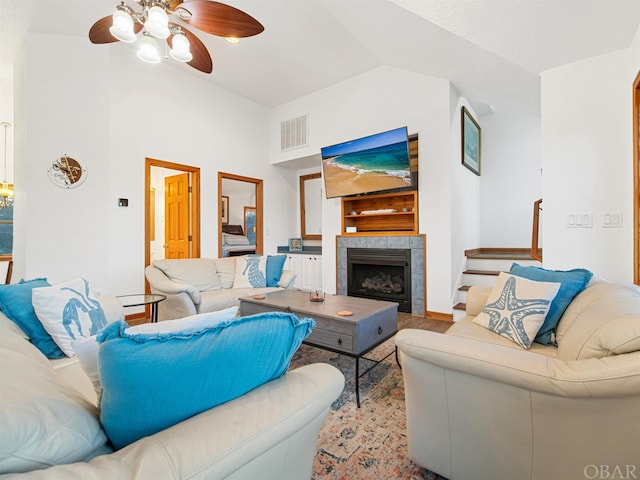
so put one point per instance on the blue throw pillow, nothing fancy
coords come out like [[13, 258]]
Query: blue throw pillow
[[153, 381], [275, 264], [15, 303], [572, 283]]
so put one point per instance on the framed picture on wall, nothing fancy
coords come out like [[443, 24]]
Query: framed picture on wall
[[295, 244], [471, 142], [224, 209]]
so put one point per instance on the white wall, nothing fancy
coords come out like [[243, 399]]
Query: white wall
[[466, 205], [101, 104], [6, 115], [588, 162], [511, 178], [378, 100]]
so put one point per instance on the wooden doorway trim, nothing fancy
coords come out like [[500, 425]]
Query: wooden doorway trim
[[195, 207], [636, 180], [259, 209]]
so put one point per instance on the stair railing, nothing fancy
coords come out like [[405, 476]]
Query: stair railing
[[536, 252]]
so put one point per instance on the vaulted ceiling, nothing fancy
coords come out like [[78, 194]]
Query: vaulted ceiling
[[491, 50]]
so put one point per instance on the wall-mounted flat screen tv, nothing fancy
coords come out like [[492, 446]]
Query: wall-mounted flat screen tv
[[376, 163]]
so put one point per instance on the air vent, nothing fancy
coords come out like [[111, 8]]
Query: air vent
[[293, 133]]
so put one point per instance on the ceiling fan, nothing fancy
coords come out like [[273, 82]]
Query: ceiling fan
[[158, 19]]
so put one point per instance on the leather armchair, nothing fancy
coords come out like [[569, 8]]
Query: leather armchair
[[479, 406]]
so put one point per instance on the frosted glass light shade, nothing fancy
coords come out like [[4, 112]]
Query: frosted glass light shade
[[157, 23], [122, 27], [180, 48], [148, 50], [6, 190]]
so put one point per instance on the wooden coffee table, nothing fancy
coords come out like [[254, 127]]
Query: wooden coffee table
[[371, 321]]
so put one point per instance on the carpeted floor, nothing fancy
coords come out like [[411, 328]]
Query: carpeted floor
[[370, 442]]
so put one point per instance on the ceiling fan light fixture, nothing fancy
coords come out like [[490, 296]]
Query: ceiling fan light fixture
[[148, 50], [122, 27], [232, 39], [180, 50], [157, 23]]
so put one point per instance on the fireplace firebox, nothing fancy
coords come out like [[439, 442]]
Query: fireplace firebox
[[380, 273]]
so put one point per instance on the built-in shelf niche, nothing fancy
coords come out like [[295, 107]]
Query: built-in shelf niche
[[385, 214]]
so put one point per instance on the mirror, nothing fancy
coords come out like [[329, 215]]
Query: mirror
[[311, 206], [240, 215]]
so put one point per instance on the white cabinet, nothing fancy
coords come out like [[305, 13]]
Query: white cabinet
[[308, 270], [293, 264]]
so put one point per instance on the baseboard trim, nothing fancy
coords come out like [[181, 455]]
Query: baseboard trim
[[445, 317]]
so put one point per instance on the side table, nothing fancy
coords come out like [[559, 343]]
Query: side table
[[142, 299]]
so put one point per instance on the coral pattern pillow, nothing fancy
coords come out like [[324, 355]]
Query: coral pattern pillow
[[517, 307], [151, 381], [68, 311], [251, 272]]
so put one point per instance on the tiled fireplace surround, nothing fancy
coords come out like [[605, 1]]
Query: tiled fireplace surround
[[414, 242]]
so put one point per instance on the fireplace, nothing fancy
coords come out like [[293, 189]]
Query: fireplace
[[380, 273]]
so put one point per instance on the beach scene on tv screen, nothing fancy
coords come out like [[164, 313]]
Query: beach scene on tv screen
[[371, 164]]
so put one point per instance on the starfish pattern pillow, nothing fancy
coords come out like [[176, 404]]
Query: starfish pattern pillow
[[517, 307]]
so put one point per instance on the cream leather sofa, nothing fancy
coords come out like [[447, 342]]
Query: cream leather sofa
[[200, 285], [480, 407], [48, 412]]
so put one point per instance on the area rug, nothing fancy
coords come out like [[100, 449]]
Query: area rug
[[370, 442]]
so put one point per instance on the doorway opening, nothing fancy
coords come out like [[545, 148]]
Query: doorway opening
[[240, 207], [172, 211], [636, 180]]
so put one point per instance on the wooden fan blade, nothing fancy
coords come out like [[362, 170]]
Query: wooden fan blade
[[201, 58], [220, 19], [100, 33]]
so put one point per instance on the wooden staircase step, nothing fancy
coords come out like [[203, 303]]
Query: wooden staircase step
[[460, 306], [502, 256], [500, 253], [482, 272]]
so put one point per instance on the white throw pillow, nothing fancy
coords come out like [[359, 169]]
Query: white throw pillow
[[517, 307], [68, 311], [251, 272], [231, 239], [191, 323], [86, 350]]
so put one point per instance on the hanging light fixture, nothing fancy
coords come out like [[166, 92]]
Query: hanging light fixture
[[180, 47], [148, 50], [6, 189], [122, 27], [157, 23], [170, 20], [153, 21]]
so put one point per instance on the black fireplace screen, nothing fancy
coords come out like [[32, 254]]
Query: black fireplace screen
[[380, 273]]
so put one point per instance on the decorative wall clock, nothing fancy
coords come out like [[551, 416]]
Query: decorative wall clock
[[67, 172]]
